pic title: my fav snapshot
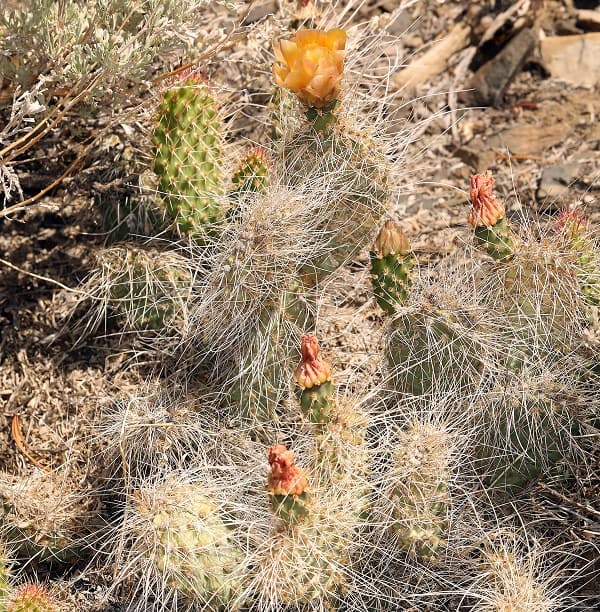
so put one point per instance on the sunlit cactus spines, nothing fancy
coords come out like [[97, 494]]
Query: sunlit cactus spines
[[181, 542], [488, 218], [189, 139], [311, 64], [573, 226], [442, 335], [31, 597], [313, 376], [148, 288], [45, 518], [416, 487], [287, 486], [5, 574], [514, 575], [392, 263]]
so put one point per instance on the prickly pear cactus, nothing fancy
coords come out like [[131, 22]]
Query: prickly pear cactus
[[188, 138], [31, 597], [305, 560], [418, 489], [251, 175], [189, 543], [391, 267], [527, 433]]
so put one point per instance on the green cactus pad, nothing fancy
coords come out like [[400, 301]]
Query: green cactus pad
[[433, 345], [188, 139], [497, 240], [291, 508], [317, 403], [191, 545], [251, 176], [391, 278]]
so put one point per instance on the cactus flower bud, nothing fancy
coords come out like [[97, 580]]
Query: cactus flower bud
[[311, 370], [311, 65], [391, 240], [286, 478], [486, 209], [571, 223]]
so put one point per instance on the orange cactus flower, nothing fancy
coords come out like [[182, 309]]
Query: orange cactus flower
[[311, 65], [486, 209], [286, 478], [311, 370]]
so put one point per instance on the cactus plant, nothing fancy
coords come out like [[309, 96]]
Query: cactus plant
[[147, 287], [441, 334], [313, 376], [351, 169], [31, 597], [391, 267], [179, 529], [488, 218], [251, 175], [189, 138], [417, 489], [43, 520], [305, 560]]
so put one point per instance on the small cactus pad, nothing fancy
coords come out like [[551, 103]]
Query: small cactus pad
[[391, 267], [313, 375], [287, 486], [188, 140], [488, 217], [252, 174]]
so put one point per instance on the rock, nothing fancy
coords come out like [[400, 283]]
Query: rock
[[529, 139], [259, 10], [479, 159], [555, 180], [589, 20], [575, 59], [434, 60], [493, 78]]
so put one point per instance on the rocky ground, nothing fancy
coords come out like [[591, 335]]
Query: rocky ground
[[511, 87]]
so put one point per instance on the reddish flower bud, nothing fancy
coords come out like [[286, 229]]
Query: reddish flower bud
[[311, 370], [486, 209], [286, 478]]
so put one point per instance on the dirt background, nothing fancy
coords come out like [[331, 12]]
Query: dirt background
[[540, 135]]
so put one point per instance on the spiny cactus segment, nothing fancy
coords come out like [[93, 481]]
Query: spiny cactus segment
[[189, 543], [391, 266], [188, 138], [313, 376], [31, 597], [488, 218], [574, 227], [419, 489], [287, 486]]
